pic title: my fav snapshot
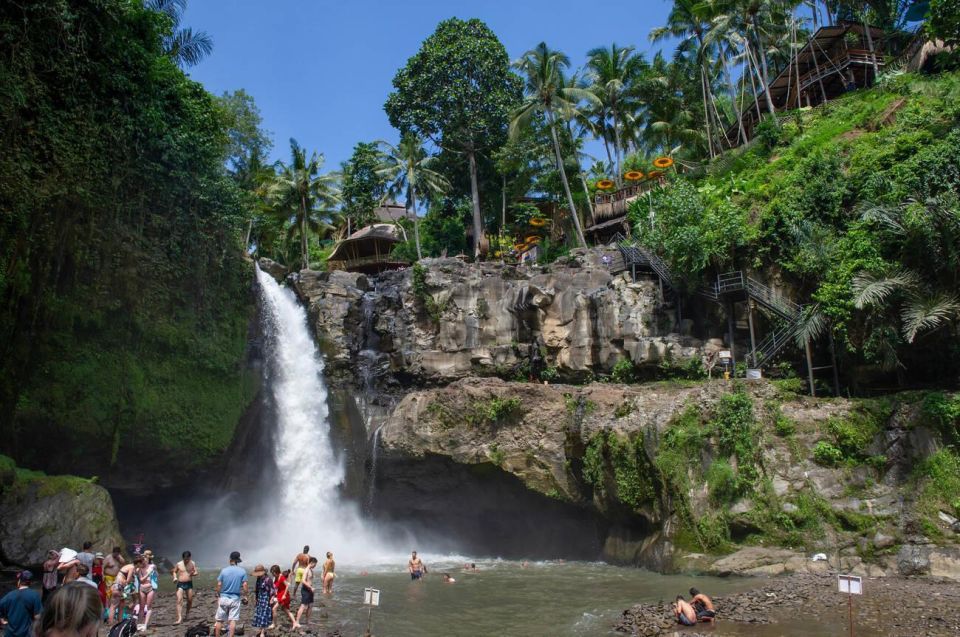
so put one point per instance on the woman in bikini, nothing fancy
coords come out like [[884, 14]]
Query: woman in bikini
[[328, 575], [124, 590], [146, 576]]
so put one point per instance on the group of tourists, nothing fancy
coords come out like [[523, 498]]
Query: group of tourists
[[73, 610], [273, 591]]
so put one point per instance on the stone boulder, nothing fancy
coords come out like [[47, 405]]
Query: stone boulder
[[39, 513], [277, 270]]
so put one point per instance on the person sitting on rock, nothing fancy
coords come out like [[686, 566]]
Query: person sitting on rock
[[684, 612], [702, 605]]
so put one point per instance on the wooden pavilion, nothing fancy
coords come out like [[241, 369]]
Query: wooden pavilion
[[610, 209], [836, 59], [367, 250]]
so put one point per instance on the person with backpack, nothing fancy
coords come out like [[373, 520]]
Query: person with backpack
[[231, 585], [20, 607]]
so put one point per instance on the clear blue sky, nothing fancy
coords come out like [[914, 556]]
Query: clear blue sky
[[320, 70]]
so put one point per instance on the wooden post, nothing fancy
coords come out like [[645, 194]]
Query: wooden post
[[753, 340], [850, 611], [806, 345]]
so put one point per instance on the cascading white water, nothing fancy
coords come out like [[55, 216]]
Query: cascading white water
[[306, 499]]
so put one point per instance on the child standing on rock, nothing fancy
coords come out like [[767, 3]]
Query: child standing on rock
[[281, 596]]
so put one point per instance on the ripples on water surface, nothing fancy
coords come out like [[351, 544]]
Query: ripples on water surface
[[502, 598]]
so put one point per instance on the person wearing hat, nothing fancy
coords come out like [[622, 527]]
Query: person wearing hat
[[20, 607], [263, 590], [231, 585]]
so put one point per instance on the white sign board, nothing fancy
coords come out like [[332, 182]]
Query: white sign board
[[850, 584], [371, 597], [754, 374], [724, 354]]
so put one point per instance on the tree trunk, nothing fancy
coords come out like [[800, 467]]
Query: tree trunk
[[617, 147], [563, 178], [412, 205], [706, 111], [246, 243], [503, 214], [304, 255], [873, 53], [763, 65], [586, 191], [751, 71], [475, 194]]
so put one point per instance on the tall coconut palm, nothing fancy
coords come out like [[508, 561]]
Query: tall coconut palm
[[304, 196], [183, 45], [410, 173], [545, 91], [613, 72]]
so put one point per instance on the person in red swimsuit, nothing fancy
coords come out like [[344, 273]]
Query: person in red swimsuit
[[281, 595]]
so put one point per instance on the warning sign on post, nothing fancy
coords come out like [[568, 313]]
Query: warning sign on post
[[850, 584], [371, 597]]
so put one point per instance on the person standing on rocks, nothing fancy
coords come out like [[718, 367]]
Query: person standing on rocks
[[111, 566], [281, 596], [68, 565], [306, 593], [48, 583], [183, 574], [299, 566], [231, 585], [20, 607], [702, 605], [263, 593], [684, 612], [124, 589]]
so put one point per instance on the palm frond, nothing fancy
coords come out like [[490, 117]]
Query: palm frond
[[925, 313], [871, 290], [813, 325]]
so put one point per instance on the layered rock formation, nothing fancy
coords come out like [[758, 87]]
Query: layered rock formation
[[444, 320]]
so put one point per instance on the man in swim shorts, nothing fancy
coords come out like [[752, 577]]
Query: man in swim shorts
[[702, 606], [183, 574], [306, 593], [416, 567], [298, 567], [111, 566], [684, 612], [327, 576]]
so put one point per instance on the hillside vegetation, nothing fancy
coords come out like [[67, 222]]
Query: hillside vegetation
[[853, 206], [124, 300]]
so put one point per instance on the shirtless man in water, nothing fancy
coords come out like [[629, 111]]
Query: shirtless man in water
[[183, 574], [684, 612], [415, 566], [327, 576], [306, 594], [298, 567]]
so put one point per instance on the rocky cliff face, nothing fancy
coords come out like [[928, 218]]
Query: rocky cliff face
[[445, 320], [668, 472], [39, 513]]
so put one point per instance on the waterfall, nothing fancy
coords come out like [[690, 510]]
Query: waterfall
[[304, 496]]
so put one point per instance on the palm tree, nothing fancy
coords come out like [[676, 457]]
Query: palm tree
[[304, 197], [545, 91], [410, 172], [183, 45], [613, 72]]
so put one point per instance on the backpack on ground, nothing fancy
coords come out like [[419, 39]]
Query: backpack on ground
[[124, 628], [200, 630]]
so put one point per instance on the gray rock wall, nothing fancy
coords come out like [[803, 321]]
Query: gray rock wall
[[489, 318]]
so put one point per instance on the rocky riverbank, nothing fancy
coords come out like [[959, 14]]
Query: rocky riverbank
[[888, 607]]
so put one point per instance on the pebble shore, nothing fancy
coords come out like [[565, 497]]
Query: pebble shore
[[889, 607]]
